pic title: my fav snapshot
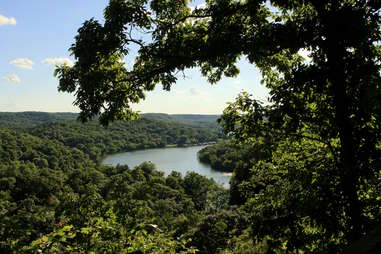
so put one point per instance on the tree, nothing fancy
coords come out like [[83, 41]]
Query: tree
[[333, 99], [183, 140]]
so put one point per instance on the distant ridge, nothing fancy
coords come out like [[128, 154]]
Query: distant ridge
[[35, 117], [182, 117], [31, 118]]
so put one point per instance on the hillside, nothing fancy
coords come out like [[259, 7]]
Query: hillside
[[150, 131], [55, 199], [33, 118]]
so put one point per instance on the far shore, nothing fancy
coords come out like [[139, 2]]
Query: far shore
[[166, 146]]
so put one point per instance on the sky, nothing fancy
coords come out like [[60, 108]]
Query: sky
[[36, 35]]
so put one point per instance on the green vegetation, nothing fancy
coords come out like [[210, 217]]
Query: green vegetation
[[316, 187], [29, 119], [55, 197], [124, 136], [193, 118], [96, 141], [308, 175], [228, 155]]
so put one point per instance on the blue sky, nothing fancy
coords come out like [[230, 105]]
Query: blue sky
[[34, 35]]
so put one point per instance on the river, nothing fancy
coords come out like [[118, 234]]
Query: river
[[180, 159]]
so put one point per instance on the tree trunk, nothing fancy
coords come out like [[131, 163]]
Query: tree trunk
[[348, 163]]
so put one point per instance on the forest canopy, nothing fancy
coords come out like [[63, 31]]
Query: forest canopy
[[317, 190], [56, 197]]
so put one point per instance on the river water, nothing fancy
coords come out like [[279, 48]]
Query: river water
[[180, 159]]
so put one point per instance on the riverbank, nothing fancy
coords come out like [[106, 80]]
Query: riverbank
[[190, 145]]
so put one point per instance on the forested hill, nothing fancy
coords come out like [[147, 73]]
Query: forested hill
[[96, 140], [32, 118], [56, 198]]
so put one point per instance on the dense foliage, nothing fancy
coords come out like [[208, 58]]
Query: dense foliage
[[96, 141], [315, 190], [28, 119], [55, 198], [228, 155]]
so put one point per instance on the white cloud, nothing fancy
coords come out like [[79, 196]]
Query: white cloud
[[57, 61], [24, 63], [305, 53], [7, 21], [237, 81], [12, 78]]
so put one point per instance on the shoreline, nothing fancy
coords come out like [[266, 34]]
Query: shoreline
[[166, 146], [225, 173]]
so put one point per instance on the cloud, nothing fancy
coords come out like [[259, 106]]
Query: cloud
[[12, 78], [57, 61], [24, 63], [7, 21], [237, 81]]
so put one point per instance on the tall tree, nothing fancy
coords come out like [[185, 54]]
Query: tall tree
[[334, 97]]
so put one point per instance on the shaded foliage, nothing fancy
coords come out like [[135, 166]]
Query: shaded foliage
[[317, 188], [54, 198], [97, 141]]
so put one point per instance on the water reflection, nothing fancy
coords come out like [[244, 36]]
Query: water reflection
[[180, 159]]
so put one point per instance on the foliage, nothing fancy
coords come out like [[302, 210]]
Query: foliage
[[55, 198], [316, 192], [317, 187], [228, 155], [97, 141]]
